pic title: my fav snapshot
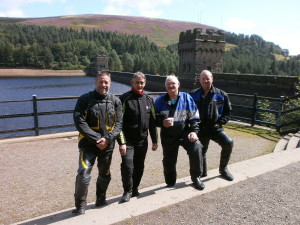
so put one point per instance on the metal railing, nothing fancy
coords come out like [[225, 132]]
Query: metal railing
[[282, 114], [50, 115]]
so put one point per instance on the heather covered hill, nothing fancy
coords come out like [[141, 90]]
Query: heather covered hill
[[160, 31], [71, 42]]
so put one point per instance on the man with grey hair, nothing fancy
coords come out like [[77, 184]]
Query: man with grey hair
[[177, 115], [215, 108], [138, 119]]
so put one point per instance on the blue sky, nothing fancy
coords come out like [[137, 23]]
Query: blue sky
[[276, 21]]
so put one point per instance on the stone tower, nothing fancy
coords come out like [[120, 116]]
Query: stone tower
[[199, 51], [101, 63]]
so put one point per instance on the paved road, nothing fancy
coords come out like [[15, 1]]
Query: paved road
[[265, 191], [39, 172]]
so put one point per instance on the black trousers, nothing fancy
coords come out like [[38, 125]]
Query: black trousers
[[87, 160], [218, 135], [132, 166], [170, 154]]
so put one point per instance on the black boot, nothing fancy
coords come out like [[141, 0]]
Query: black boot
[[126, 197], [224, 170], [81, 190], [101, 200], [170, 176], [226, 174], [204, 168], [101, 187], [79, 211], [135, 192], [198, 183]]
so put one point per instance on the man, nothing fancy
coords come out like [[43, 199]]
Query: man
[[214, 108], [138, 118], [178, 117], [98, 118]]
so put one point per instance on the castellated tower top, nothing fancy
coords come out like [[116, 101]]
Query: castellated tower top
[[199, 51], [196, 34]]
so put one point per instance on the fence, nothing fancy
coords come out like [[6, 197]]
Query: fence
[[282, 114], [50, 115]]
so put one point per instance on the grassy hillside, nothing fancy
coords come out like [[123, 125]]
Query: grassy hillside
[[244, 53], [160, 31]]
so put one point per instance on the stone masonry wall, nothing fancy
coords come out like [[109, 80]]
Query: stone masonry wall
[[198, 51], [250, 84]]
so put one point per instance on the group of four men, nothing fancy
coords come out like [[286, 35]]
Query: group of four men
[[187, 120]]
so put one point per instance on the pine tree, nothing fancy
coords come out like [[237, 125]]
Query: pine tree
[[127, 62], [114, 62]]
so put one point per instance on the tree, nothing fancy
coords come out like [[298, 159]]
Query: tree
[[127, 62], [85, 61], [8, 53], [274, 67], [153, 67], [114, 62], [163, 68]]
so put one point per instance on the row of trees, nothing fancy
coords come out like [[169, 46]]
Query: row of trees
[[254, 55], [66, 48]]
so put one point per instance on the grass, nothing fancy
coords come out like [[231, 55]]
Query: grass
[[228, 46], [263, 132], [281, 57]]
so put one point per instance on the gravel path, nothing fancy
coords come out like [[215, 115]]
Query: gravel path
[[271, 198], [38, 176]]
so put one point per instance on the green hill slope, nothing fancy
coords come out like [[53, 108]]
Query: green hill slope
[[160, 31]]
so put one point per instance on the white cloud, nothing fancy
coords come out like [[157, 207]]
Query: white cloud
[[239, 25], [152, 14], [14, 8], [285, 39], [69, 10], [291, 42], [112, 9], [135, 7], [12, 13], [20, 3]]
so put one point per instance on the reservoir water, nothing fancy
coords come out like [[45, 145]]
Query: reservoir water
[[22, 88], [19, 92]]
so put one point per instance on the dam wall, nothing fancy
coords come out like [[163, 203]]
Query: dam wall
[[250, 84]]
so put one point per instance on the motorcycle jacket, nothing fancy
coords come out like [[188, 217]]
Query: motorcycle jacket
[[184, 111], [96, 116], [214, 108], [138, 118]]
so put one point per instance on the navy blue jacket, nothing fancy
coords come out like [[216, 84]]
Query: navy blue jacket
[[214, 108]]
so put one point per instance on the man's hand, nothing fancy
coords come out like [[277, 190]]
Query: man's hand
[[154, 146], [169, 122], [193, 137], [102, 143], [122, 149]]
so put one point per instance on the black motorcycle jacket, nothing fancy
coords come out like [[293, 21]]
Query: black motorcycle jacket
[[214, 108], [138, 118], [96, 116]]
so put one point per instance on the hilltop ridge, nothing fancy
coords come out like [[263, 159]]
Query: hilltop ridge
[[160, 31]]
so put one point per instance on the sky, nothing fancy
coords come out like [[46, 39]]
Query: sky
[[276, 21]]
